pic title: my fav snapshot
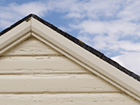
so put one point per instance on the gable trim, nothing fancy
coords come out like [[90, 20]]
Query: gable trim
[[14, 34], [127, 83], [76, 41], [72, 51], [15, 42]]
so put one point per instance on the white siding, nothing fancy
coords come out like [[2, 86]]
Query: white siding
[[39, 64], [65, 83], [32, 47], [32, 73], [67, 99]]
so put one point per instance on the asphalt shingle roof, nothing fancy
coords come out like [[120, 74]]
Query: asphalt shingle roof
[[78, 42]]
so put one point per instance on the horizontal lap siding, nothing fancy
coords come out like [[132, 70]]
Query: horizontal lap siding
[[39, 75], [68, 83], [32, 47], [67, 99], [39, 64]]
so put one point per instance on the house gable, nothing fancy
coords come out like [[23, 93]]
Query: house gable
[[32, 56], [58, 48], [33, 67]]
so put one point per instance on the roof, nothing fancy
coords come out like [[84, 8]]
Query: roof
[[78, 42]]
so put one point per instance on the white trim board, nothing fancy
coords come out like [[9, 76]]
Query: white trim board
[[81, 56]]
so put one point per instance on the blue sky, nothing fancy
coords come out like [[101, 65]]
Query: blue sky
[[110, 26]]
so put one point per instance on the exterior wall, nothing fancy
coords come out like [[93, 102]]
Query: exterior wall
[[35, 74]]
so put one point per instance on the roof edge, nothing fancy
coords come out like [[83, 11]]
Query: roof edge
[[90, 49], [75, 40], [15, 24]]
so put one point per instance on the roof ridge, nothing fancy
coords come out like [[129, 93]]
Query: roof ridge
[[78, 42]]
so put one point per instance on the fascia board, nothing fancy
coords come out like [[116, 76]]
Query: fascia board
[[14, 43], [14, 34], [127, 83]]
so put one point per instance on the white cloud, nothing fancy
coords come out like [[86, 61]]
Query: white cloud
[[109, 27], [14, 12], [91, 9], [65, 29], [129, 46], [130, 60], [32, 7], [107, 35], [4, 23], [131, 11]]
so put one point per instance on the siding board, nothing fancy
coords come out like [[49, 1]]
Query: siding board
[[46, 64], [32, 46], [67, 99], [59, 83]]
